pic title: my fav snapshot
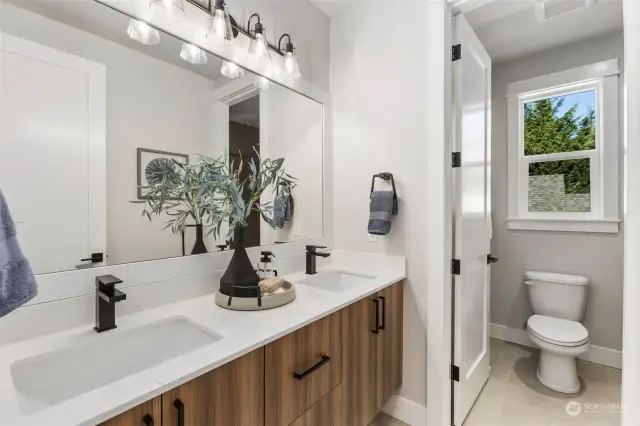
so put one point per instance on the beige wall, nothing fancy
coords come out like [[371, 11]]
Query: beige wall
[[380, 126], [598, 256]]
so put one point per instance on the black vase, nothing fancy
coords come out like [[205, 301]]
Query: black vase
[[199, 247], [240, 278]]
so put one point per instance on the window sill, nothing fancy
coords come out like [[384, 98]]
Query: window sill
[[607, 226]]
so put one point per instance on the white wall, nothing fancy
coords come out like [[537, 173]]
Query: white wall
[[598, 256], [150, 104], [379, 86]]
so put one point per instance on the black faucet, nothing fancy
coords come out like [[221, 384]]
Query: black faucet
[[311, 258], [106, 298]]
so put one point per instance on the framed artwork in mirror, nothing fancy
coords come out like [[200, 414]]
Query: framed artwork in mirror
[[152, 163]]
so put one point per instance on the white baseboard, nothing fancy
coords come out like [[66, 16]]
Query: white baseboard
[[596, 354], [407, 411]]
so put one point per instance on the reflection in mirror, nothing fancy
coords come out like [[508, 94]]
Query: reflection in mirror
[[94, 106]]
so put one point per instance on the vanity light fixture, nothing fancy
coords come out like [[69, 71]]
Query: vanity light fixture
[[173, 8], [290, 61], [193, 54], [231, 70], [259, 48], [221, 28], [142, 32]]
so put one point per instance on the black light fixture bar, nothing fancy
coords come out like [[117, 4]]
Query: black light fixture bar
[[208, 5]]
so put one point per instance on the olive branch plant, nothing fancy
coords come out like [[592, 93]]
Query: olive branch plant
[[212, 193]]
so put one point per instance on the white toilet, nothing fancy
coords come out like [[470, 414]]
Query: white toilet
[[558, 302]]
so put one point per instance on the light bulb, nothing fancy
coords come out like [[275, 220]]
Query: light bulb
[[262, 83], [174, 9], [259, 49], [142, 32], [193, 54], [231, 70], [291, 64], [221, 29]]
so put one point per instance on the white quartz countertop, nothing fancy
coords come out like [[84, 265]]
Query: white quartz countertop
[[241, 333]]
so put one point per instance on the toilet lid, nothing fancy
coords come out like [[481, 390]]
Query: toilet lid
[[558, 331]]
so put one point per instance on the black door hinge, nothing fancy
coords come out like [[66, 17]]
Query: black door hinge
[[456, 159], [456, 52], [455, 373], [455, 267]]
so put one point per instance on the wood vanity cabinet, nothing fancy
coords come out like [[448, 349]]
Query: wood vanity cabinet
[[374, 361], [337, 371]]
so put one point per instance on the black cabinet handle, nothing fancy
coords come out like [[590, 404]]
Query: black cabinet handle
[[491, 259], [384, 312], [376, 304], [148, 421], [180, 407], [300, 376]]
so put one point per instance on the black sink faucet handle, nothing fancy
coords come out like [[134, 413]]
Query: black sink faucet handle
[[107, 281], [312, 248]]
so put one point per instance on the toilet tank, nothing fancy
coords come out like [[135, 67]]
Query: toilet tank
[[557, 295]]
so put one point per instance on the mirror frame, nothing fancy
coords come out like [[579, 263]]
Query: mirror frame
[[68, 284]]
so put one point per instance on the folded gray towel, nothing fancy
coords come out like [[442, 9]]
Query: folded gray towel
[[17, 283], [380, 212]]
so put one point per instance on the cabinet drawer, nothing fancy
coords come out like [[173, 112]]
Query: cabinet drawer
[[146, 414], [303, 367], [330, 411]]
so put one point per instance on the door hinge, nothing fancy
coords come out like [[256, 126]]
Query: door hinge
[[455, 373], [455, 266], [456, 159], [456, 52]]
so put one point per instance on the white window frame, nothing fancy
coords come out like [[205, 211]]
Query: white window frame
[[603, 78]]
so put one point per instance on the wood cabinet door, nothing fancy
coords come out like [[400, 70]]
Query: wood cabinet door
[[303, 367], [389, 362], [329, 411], [145, 414], [361, 362], [231, 395]]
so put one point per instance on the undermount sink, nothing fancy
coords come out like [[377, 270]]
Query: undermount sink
[[59, 375], [335, 281]]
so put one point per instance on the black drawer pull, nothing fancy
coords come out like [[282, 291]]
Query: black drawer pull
[[148, 421], [384, 312], [376, 307], [300, 376], [180, 407]]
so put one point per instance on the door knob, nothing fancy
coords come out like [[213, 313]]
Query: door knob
[[491, 259], [95, 258]]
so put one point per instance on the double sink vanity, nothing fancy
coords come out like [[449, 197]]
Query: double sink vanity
[[331, 357]]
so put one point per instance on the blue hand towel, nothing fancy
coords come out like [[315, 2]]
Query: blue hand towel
[[381, 208], [17, 283], [282, 210]]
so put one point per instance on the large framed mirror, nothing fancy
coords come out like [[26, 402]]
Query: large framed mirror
[[90, 112]]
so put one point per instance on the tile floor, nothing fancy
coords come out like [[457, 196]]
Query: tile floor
[[383, 419], [513, 395]]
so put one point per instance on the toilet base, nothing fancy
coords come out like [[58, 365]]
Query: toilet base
[[558, 372]]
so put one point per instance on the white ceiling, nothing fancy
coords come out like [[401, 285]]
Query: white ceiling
[[100, 20], [330, 7], [509, 29]]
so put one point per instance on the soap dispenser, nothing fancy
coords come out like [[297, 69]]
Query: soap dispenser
[[265, 269]]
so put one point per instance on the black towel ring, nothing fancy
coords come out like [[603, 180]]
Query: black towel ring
[[386, 176]]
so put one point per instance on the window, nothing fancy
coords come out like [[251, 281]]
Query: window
[[563, 150]]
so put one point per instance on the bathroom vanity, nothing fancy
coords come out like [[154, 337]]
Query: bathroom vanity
[[338, 370]]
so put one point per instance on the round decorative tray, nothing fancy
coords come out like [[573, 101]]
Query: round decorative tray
[[267, 301]]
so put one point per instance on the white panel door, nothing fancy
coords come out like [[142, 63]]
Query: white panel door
[[52, 152], [472, 112]]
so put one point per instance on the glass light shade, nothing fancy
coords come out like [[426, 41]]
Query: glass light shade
[[193, 54], [221, 29], [231, 70], [291, 64], [259, 49], [262, 83], [142, 32], [174, 9]]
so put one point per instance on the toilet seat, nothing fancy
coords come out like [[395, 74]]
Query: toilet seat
[[558, 331]]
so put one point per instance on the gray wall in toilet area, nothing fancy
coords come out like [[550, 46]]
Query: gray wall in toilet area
[[597, 256]]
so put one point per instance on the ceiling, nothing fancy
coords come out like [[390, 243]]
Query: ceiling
[[100, 20], [330, 7], [510, 29]]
